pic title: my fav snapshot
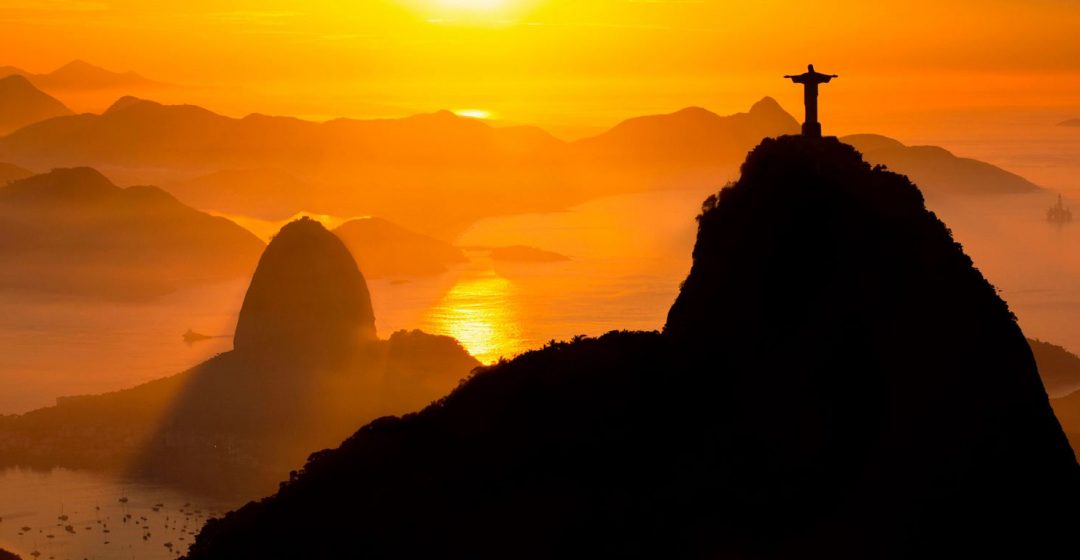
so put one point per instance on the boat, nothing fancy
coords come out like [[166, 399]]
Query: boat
[[1059, 214], [192, 337]]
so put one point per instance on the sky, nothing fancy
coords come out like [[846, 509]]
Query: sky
[[570, 63]]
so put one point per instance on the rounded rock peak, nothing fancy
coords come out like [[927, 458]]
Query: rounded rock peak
[[307, 298]]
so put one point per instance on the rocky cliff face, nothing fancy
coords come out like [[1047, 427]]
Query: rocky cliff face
[[835, 380]]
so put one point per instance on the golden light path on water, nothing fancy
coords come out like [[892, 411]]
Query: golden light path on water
[[481, 314]]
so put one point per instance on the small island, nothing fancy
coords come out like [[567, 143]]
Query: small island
[[1070, 122], [524, 253]]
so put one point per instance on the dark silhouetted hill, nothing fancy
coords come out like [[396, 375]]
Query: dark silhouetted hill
[[5, 555], [71, 231], [938, 171], [305, 372], [307, 297], [384, 249], [522, 253], [835, 380], [22, 104], [1059, 368]]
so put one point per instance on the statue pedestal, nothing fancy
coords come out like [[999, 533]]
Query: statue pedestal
[[813, 130]]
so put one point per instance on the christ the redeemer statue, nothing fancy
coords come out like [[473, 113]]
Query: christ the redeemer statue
[[810, 81]]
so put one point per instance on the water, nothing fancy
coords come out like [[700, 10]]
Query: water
[[628, 255], [36, 499]]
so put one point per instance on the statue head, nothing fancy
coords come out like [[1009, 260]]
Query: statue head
[[810, 67]]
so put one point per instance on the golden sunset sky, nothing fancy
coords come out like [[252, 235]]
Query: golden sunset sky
[[568, 63]]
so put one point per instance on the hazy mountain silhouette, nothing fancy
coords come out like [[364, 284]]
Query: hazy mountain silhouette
[[22, 104], [306, 370], [834, 380], [938, 171], [384, 249], [689, 136], [80, 75], [1067, 409], [72, 231], [136, 132], [1058, 368], [10, 172], [270, 194], [1070, 122]]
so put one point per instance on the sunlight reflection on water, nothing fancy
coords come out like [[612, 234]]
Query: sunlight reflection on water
[[480, 313]]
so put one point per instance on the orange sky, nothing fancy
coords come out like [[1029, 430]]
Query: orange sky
[[568, 62]]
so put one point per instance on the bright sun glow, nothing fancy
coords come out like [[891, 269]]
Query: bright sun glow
[[480, 313], [477, 5], [473, 113]]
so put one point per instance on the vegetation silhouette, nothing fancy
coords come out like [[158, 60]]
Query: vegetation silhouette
[[73, 232], [307, 368], [835, 380]]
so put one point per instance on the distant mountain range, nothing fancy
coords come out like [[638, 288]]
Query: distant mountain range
[[72, 231], [938, 171], [79, 75], [1070, 122], [385, 250], [437, 172], [22, 104]]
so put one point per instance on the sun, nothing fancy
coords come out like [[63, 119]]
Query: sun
[[474, 5], [472, 12]]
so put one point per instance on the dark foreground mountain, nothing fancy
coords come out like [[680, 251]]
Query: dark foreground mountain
[[5, 555], [73, 232], [835, 380], [22, 104], [307, 368]]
